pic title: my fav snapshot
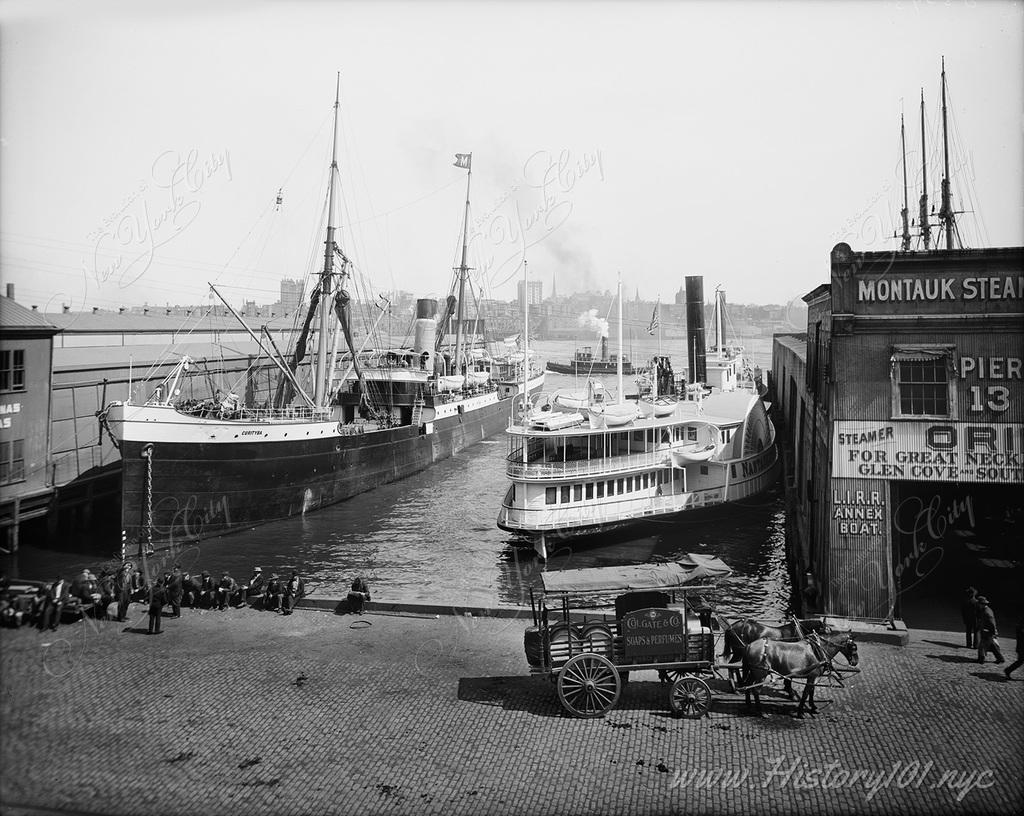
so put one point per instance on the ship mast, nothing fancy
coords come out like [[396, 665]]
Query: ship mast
[[622, 398], [463, 269], [526, 341], [326, 278], [946, 217], [926, 230], [905, 245]]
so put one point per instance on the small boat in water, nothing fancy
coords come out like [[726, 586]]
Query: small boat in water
[[585, 364]]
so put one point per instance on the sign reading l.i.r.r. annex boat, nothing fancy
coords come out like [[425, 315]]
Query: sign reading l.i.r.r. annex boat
[[653, 632]]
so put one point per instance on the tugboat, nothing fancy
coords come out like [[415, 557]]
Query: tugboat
[[584, 364]]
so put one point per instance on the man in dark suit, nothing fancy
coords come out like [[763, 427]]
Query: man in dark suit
[[225, 589], [293, 590], [157, 602], [174, 591], [207, 591], [272, 597], [57, 596]]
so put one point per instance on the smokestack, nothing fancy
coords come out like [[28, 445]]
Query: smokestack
[[10, 291], [604, 349], [696, 353], [426, 331]]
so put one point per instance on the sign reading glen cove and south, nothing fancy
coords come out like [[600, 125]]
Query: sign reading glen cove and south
[[933, 451]]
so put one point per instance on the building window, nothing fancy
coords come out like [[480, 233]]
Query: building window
[[600, 489], [922, 381], [611, 487], [551, 495], [618, 486], [590, 490], [12, 461], [577, 492], [12, 370], [565, 494]]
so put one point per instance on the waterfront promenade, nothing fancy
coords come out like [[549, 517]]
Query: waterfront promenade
[[251, 712]]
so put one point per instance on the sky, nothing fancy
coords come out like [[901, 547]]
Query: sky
[[143, 146]]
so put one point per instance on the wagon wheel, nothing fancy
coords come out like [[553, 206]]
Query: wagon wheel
[[690, 697], [589, 685]]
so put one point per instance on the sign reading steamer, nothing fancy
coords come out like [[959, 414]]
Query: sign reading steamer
[[935, 451]]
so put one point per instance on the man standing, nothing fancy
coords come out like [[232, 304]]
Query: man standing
[[987, 632], [157, 602], [56, 597], [175, 589], [123, 589], [969, 613], [294, 590]]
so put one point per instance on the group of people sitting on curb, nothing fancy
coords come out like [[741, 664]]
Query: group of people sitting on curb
[[95, 596]]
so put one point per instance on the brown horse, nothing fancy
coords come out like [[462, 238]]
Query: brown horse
[[744, 631], [806, 660]]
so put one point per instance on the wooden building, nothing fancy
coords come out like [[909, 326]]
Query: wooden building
[[902, 407]]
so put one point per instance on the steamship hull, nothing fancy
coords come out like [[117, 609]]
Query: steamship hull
[[183, 480]]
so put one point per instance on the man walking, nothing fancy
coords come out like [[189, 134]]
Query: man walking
[[1016, 664], [987, 632]]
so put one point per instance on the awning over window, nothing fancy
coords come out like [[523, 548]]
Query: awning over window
[[924, 353]]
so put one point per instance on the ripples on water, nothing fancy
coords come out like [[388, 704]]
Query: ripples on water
[[432, 538]]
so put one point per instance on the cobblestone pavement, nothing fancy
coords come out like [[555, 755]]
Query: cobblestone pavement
[[258, 713]]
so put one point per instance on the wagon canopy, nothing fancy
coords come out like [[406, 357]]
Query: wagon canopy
[[692, 568]]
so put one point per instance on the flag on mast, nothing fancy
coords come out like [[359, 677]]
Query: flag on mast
[[463, 160], [653, 327]]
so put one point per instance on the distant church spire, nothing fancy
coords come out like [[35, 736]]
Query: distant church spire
[[554, 292]]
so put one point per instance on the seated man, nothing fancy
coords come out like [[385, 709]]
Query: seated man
[[57, 596], [253, 589], [226, 588], [359, 595], [207, 591], [272, 597], [293, 591]]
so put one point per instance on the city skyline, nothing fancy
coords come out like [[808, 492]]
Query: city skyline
[[737, 141]]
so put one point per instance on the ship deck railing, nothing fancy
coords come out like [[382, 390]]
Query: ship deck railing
[[295, 413], [594, 466]]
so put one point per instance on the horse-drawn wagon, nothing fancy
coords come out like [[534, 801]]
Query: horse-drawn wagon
[[661, 622]]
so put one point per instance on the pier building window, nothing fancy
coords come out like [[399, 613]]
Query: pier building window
[[647, 481], [629, 484], [551, 495], [12, 370], [611, 487], [922, 381], [618, 486], [12, 461], [590, 490], [600, 490], [565, 494]]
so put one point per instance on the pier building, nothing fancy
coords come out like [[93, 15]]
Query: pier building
[[902, 408]]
